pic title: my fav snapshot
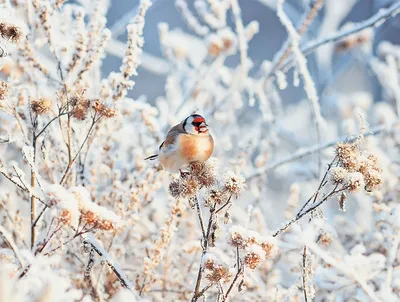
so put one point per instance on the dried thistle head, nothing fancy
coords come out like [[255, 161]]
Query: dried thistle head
[[234, 183], [204, 172], [190, 187], [325, 239], [41, 106], [176, 188], [10, 32]]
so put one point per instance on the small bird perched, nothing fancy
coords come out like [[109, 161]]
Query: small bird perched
[[187, 142]]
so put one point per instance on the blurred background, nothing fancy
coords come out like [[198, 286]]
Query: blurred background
[[349, 74]]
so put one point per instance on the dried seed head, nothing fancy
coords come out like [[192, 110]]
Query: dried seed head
[[234, 183], [348, 155], [237, 236], [3, 90], [41, 106], [190, 187], [81, 109], [254, 256], [269, 246], [176, 188], [338, 175], [354, 182], [373, 180], [10, 32]]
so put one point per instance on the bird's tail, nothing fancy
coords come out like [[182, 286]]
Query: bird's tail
[[152, 157]]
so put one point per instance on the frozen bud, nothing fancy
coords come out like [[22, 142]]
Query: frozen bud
[[254, 256], [338, 175], [281, 79], [41, 106], [234, 183], [342, 201], [237, 236], [228, 39], [354, 182]]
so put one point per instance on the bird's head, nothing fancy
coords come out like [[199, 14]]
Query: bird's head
[[195, 124]]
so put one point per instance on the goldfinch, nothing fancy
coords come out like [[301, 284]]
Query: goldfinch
[[187, 142]]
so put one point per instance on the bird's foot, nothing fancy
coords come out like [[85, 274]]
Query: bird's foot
[[184, 174]]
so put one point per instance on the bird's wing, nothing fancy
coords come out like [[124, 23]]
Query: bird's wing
[[172, 135]]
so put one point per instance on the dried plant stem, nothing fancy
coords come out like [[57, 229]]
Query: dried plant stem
[[11, 244], [316, 148], [302, 28], [240, 270], [304, 270], [351, 273], [33, 181], [304, 211], [197, 293], [72, 161], [380, 17]]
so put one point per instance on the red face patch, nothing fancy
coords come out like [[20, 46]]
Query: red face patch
[[199, 119]]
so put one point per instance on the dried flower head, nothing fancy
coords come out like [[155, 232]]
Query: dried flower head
[[103, 109], [190, 187], [10, 32], [354, 182], [176, 188], [234, 183], [338, 175], [204, 172], [215, 270], [237, 236], [373, 180], [348, 155], [81, 109], [3, 90], [269, 246], [216, 196], [254, 256], [41, 106]]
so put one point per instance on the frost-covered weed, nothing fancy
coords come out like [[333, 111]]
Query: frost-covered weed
[[84, 218]]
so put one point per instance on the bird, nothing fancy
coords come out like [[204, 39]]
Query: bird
[[187, 142]]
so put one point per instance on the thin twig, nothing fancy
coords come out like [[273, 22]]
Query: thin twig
[[316, 148], [11, 244], [378, 19], [304, 273]]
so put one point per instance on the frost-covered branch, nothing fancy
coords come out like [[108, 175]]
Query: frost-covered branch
[[376, 20]]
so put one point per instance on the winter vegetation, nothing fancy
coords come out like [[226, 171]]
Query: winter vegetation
[[297, 203]]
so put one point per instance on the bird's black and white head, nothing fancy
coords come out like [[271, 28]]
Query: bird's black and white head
[[195, 124]]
